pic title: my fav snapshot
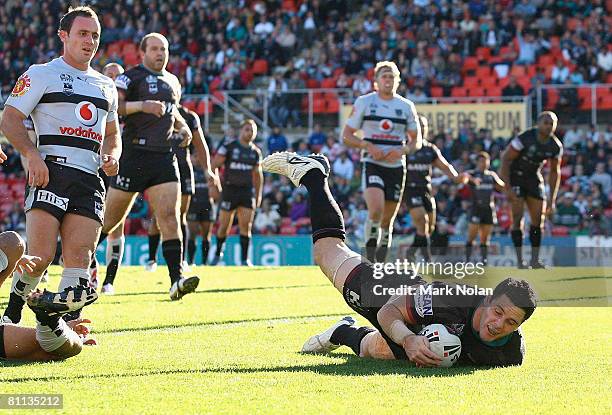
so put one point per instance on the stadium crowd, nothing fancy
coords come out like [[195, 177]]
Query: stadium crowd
[[442, 48]]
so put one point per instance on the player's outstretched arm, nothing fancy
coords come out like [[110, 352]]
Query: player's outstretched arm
[[3, 156], [258, 183], [509, 154], [203, 153], [500, 185], [393, 317], [450, 171]]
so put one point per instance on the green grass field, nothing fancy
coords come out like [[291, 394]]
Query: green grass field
[[233, 348]]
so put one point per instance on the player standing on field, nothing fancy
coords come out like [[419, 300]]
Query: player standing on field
[[521, 168], [482, 214], [74, 110], [200, 216], [148, 161], [387, 120], [242, 187], [188, 183], [417, 190]]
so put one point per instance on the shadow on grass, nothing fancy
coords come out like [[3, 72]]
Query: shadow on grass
[[225, 290], [218, 323], [352, 366]]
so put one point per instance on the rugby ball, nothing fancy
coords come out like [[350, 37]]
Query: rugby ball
[[442, 343]]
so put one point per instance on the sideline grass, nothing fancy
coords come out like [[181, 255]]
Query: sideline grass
[[233, 348]]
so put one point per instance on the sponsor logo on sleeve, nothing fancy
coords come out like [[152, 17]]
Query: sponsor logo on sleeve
[[122, 82], [423, 303], [22, 86]]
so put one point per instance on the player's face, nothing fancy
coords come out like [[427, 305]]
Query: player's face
[[385, 81], [499, 318], [546, 125], [482, 164], [81, 44], [156, 54], [247, 134]]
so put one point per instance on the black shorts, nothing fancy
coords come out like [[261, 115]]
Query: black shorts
[[361, 277], [69, 191], [233, 196], [105, 178], [139, 170], [416, 197], [483, 215], [200, 209], [187, 180], [389, 179], [525, 187]]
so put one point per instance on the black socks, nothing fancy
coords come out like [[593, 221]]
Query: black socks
[[325, 215], [172, 251], [350, 336], [153, 245], [517, 240], [244, 247]]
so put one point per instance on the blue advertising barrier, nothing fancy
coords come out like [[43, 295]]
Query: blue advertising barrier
[[265, 250], [297, 250]]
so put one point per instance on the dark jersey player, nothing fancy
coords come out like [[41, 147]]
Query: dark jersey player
[[521, 168], [487, 325], [417, 189], [148, 162], [482, 214], [242, 187], [186, 173], [200, 217]]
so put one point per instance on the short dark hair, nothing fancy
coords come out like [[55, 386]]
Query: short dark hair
[[519, 292], [484, 155], [143, 41], [73, 12]]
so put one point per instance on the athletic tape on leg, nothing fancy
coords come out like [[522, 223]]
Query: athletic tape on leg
[[51, 340]]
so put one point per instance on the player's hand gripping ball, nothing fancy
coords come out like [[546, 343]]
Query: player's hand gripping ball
[[442, 343]]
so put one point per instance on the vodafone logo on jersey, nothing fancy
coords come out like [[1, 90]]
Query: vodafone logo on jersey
[[385, 125], [86, 113], [81, 132]]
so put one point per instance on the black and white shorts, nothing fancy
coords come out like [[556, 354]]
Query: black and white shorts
[[201, 208], [417, 197], [389, 179], [69, 191], [483, 215], [139, 170], [527, 187], [234, 196], [187, 179]]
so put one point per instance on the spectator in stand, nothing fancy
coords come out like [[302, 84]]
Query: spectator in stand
[[299, 207], [361, 85], [317, 139], [559, 73], [294, 99], [528, 47], [279, 113], [568, 97], [343, 167], [513, 89], [604, 59], [579, 181], [567, 213], [602, 178], [417, 95], [267, 219], [354, 65], [277, 141], [571, 137]]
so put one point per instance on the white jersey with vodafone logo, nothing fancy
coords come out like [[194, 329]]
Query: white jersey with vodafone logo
[[69, 108], [383, 122]]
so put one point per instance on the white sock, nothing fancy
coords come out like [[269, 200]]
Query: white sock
[[73, 277], [386, 236], [23, 284], [52, 338], [120, 242], [372, 230]]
